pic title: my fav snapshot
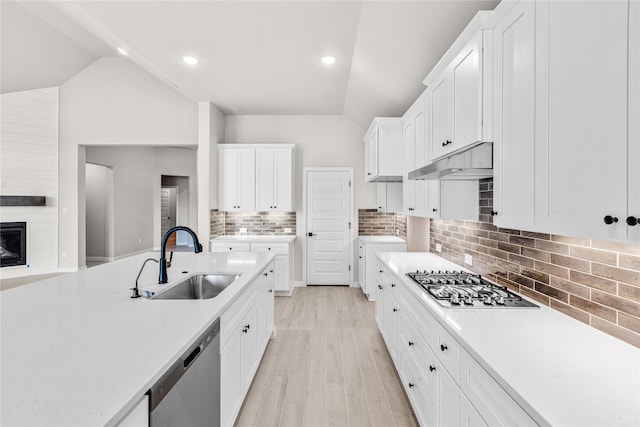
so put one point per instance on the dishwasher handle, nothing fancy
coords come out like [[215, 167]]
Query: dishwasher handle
[[169, 379]]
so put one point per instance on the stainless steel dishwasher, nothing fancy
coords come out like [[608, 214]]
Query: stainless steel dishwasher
[[188, 394]]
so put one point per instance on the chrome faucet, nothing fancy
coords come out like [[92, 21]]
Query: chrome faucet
[[197, 247]]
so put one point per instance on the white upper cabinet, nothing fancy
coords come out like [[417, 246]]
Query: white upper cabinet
[[461, 90], [389, 196], [383, 150], [274, 179], [582, 118], [236, 179], [256, 177], [633, 166], [513, 148]]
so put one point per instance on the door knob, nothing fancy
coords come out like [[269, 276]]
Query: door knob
[[311, 234], [611, 219]]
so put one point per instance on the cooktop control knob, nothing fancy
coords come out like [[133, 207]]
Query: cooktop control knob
[[468, 300], [500, 301], [488, 300], [455, 300]]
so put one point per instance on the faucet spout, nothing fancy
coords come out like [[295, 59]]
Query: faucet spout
[[197, 247]]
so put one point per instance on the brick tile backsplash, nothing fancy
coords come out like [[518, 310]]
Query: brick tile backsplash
[[595, 282], [256, 223], [374, 223]]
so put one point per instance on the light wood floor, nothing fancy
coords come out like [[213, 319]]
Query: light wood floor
[[327, 366]]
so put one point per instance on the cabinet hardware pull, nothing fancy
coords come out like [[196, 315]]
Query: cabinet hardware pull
[[248, 327], [611, 219], [368, 173], [395, 310], [633, 221], [393, 285], [443, 347], [380, 271], [270, 290], [411, 385], [435, 210], [410, 343], [264, 274], [380, 287], [494, 213], [432, 368], [244, 330], [270, 271]]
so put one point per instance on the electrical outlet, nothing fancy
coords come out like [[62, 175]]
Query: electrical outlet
[[397, 232], [468, 259], [438, 247], [287, 230], [243, 230]]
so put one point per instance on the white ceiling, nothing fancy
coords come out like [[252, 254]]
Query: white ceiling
[[256, 57]]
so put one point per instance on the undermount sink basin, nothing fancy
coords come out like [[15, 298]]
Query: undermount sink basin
[[201, 286]]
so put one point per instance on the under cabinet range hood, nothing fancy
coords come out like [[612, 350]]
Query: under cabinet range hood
[[474, 162]]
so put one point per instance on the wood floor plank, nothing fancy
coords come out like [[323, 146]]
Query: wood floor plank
[[327, 366]]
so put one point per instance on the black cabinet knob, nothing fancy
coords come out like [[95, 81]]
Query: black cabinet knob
[[380, 287], [633, 221], [368, 173], [443, 347], [395, 310], [265, 274], [444, 143], [435, 209], [610, 219], [380, 271], [270, 290], [411, 343], [393, 285], [411, 385], [432, 368], [494, 213]]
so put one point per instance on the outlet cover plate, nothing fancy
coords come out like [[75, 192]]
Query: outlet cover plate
[[468, 259], [438, 247]]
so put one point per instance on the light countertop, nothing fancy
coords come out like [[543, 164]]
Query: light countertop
[[77, 351], [283, 238], [381, 239], [560, 370]]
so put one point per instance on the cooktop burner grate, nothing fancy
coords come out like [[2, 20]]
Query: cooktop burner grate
[[467, 290]]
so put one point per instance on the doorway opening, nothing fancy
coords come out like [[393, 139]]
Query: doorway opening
[[99, 214], [174, 211]]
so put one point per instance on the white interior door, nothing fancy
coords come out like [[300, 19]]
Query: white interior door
[[328, 207]]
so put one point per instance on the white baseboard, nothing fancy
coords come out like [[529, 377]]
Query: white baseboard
[[298, 284], [68, 269], [97, 259], [355, 285]]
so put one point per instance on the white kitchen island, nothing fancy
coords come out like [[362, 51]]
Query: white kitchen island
[[76, 350]]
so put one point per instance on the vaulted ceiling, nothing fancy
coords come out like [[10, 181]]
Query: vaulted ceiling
[[256, 57]]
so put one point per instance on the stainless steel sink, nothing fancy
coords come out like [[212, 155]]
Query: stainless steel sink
[[201, 286]]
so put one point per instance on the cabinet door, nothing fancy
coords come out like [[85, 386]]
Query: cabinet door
[[380, 297], [440, 117], [394, 197], [246, 179], [265, 179], [469, 417], [466, 91], [228, 179], [448, 400], [381, 193], [409, 150], [433, 199], [269, 301], [371, 155], [230, 379], [281, 273], [283, 180], [581, 135], [249, 356], [362, 267], [513, 148], [634, 120]]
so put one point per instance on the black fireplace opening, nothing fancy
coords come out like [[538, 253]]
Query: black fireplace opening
[[13, 244]]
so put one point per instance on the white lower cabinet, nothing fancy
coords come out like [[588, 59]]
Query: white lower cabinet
[[368, 265], [445, 385], [138, 416], [245, 328], [283, 263]]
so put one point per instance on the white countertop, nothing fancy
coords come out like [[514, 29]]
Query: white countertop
[[252, 238], [381, 239], [77, 351], [560, 370]]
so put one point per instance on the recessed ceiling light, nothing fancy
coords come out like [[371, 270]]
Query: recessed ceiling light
[[122, 52], [190, 60], [328, 60]]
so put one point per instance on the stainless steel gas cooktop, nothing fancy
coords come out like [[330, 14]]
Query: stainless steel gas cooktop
[[467, 290]]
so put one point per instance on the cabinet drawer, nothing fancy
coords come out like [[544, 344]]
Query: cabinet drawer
[[422, 391], [277, 248], [448, 351], [415, 345], [231, 246], [422, 319], [233, 315], [491, 401]]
